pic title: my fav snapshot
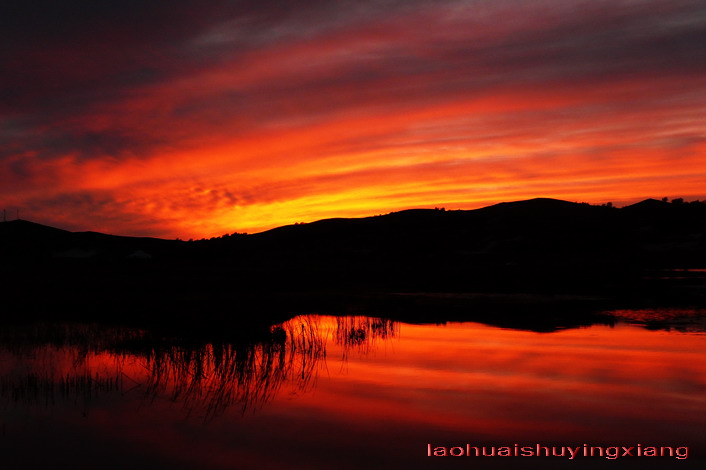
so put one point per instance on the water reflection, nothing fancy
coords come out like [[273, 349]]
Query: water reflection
[[362, 334], [685, 320], [43, 364], [154, 401]]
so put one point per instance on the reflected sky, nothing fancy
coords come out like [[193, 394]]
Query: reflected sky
[[345, 392]]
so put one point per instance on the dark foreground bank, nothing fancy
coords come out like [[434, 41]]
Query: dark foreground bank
[[543, 262]]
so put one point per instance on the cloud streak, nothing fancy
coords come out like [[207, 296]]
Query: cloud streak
[[181, 119]]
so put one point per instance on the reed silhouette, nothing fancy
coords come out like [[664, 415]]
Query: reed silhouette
[[79, 363]]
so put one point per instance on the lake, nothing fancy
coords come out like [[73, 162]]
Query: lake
[[325, 392]]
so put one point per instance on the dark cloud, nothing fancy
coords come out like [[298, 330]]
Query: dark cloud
[[61, 58], [70, 210], [91, 47]]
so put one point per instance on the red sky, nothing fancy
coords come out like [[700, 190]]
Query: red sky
[[190, 119]]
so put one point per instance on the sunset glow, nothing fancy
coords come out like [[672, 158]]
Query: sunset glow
[[186, 119]]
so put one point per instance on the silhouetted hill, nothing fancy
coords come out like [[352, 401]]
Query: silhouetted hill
[[649, 205], [22, 242], [20, 231], [540, 246], [546, 231]]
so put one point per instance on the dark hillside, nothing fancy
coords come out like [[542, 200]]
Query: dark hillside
[[539, 246]]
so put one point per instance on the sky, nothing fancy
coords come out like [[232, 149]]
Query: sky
[[192, 118]]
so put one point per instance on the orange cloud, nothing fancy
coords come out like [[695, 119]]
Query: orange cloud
[[434, 104]]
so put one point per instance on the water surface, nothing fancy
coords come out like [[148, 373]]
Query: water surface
[[349, 392]]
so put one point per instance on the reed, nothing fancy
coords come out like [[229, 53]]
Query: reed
[[46, 363]]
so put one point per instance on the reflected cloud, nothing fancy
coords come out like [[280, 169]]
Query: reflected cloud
[[81, 364], [126, 395]]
